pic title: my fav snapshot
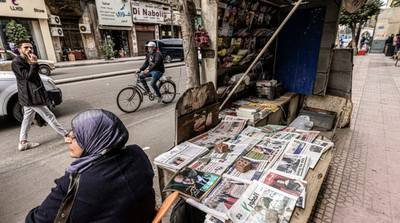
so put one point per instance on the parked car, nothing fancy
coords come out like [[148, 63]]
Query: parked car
[[171, 49], [6, 57], [9, 94]]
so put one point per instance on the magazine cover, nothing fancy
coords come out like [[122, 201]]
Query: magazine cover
[[286, 183], [261, 203], [193, 183], [301, 147]]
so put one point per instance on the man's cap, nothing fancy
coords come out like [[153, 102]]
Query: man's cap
[[152, 44]]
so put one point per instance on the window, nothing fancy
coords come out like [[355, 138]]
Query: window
[[7, 56], [167, 43], [178, 43]]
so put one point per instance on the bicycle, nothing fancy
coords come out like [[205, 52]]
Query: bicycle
[[130, 98]]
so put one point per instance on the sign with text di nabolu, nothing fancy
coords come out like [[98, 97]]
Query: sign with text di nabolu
[[146, 12]]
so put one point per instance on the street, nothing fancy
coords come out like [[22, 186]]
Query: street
[[26, 177]]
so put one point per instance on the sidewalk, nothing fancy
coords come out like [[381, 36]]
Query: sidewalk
[[96, 61], [363, 184]]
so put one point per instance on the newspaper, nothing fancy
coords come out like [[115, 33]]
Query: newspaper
[[213, 219], [219, 162], [208, 140], [257, 168], [180, 156], [253, 133], [240, 140], [297, 165], [305, 148], [301, 201], [287, 183], [307, 136], [267, 150], [326, 145], [234, 118], [285, 135], [261, 203], [229, 128], [289, 129]]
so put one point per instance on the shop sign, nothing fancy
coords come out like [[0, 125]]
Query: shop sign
[[146, 12], [145, 28], [114, 13], [23, 8]]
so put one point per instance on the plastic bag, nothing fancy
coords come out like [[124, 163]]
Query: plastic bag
[[302, 122]]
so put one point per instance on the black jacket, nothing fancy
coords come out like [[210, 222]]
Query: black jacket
[[31, 90], [117, 189], [389, 40], [154, 61]]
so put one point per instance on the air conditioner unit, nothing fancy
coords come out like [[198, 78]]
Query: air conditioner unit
[[56, 31], [84, 28], [55, 20]]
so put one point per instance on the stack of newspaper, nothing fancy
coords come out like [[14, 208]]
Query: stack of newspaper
[[249, 112], [180, 156]]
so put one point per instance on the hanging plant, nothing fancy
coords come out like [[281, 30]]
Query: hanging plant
[[16, 31]]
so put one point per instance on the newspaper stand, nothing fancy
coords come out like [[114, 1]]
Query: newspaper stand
[[202, 101]]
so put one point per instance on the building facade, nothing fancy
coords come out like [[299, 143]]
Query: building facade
[[31, 14]]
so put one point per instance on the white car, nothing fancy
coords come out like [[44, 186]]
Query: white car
[[9, 94], [6, 57]]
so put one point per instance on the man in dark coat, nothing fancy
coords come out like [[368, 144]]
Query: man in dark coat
[[152, 67], [389, 40], [31, 93], [115, 181]]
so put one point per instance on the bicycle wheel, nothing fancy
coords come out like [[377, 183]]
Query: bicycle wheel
[[129, 99], [168, 91]]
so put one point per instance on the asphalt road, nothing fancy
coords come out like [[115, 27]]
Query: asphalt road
[[69, 72], [26, 177]]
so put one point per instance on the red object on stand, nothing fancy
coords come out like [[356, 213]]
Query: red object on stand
[[362, 52]]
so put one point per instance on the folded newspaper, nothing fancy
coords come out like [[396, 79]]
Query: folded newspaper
[[208, 140], [287, 183], [307, 136], [261, 203], [297, 165], [229, 128], [253, 133], [257, 168], [285, 135], [192, 183], [326, 145], [305, 148], [180, 156]]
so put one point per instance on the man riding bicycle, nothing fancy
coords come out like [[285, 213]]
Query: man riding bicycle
[[154, 67]]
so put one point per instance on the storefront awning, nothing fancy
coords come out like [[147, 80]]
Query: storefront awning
[[115, 28]]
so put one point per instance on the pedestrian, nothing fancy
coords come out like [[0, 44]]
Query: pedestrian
[[152, 67], [341, 42], [12, 46], [108, 181], [31, 93], [366, 43], [397, 45], [389, 40], [362, 41]]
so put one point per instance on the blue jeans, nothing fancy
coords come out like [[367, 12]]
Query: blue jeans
[[155, 76], [396, 48]]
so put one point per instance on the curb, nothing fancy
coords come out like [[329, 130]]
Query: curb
[[103, 75], [95, 63]]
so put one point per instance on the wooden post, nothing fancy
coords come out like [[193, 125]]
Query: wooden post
[[191, 59]]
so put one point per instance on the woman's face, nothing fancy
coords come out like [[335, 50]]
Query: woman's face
[[75, 151]]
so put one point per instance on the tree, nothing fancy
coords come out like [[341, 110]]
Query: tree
[[16, 31], [107, 49], [396, 3], [359, 17]]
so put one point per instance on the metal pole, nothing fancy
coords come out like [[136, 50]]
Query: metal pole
[[262, 52], [172, 23]]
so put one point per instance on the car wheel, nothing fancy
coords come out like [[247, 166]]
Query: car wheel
[[45, 70], [17, 111], [168, 59]]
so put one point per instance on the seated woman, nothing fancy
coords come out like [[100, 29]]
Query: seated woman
[[108, 182]]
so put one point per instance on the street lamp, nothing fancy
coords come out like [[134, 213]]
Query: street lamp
[[172, 24]]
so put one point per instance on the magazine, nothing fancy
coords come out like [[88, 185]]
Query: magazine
[[257, 168], [180, 156], [193, 183], [307, 136], [305, 148], [326, 145], [297, 165], [261, 203], [287, 183], [208, 140]]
